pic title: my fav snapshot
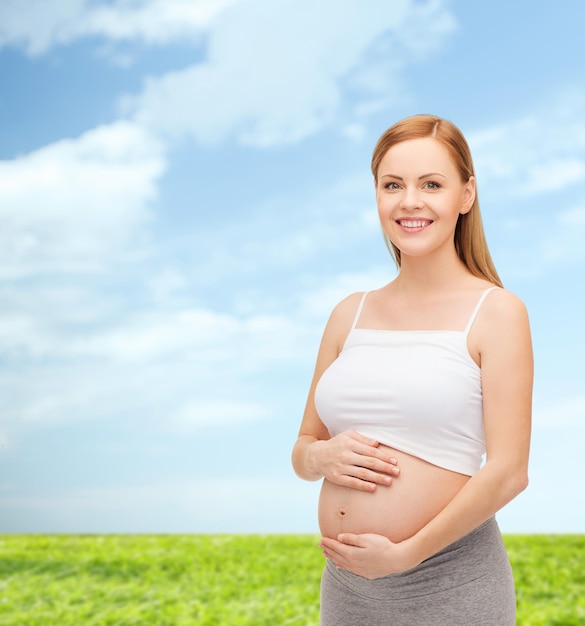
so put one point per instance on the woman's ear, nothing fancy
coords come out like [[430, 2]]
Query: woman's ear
[[468, 196]]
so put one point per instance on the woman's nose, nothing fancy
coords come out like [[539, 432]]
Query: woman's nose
[[411, 200]]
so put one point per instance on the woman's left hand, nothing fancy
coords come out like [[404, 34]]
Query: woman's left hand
[[368, 555]]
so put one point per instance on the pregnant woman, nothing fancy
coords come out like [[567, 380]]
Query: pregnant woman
[[418, 417]]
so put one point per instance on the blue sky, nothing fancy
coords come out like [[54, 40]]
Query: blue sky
[[184, 196]]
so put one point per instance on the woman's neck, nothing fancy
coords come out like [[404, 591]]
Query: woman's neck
[[426, 274]]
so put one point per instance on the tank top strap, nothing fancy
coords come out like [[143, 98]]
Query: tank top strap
[[359, 310], [476, 309]]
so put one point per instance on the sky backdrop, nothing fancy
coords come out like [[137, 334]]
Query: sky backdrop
[[184, 196]]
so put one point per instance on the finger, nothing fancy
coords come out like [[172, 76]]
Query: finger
[[327, 549], [337, 555], [381, 456], [368, 441], [357, 483], [350, 539], [369, 447], [333, 546], [370, 476], [362, 456], [386, 465], [328, 543]]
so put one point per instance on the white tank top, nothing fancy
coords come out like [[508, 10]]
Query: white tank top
[[418, 391]]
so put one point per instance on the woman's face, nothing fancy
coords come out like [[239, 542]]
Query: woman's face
[[420, 196]]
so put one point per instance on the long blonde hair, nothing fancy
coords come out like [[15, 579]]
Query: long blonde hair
[[470, 241]]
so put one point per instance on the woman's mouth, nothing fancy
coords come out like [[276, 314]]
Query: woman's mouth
[[413, 225]]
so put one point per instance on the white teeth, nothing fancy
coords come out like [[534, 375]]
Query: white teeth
[[414, 223]]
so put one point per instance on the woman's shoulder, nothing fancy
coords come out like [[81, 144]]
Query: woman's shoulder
[[501, 327], [503, 303], [342, 318], [345, 310], [502, 313]]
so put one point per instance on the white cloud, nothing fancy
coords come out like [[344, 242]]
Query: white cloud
[[291, 232], [168, 288], [556, 173], [161, 366], [45, 24], [41, 25], [196, 415], [543, 152], [261, 85], [567, 412], [573, 218], [564, 241], [256, 81], [205, 503], [69, 205], [153, 21], [199, 336], [531, 167], [149, 337], [318, 301], [86, 357]]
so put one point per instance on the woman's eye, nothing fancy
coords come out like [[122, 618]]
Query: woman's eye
[[431, 185], [392, 186]]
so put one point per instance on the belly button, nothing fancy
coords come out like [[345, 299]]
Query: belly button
[[341, 512]]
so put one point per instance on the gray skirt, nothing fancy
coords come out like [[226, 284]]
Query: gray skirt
[[469, 583]]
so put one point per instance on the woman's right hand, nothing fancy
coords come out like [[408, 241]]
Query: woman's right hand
[[352, 460]]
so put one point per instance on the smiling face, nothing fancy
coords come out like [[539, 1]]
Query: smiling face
[[420, 196]]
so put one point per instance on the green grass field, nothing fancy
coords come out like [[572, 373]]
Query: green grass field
[[230, 580]]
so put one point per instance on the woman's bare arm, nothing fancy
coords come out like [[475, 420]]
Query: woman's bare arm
[[349, 459]]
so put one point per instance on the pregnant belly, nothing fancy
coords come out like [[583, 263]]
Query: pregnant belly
[[397, 511]]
